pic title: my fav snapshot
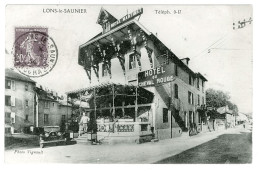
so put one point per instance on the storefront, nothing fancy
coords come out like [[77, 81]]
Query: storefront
[[121, 112]]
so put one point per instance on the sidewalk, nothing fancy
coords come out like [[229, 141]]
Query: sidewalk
[[122, 153]]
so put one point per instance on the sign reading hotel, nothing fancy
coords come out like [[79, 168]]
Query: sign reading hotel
[[156, 76], [127, 17]]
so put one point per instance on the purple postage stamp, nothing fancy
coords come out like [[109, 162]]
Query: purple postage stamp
[[35, 53]]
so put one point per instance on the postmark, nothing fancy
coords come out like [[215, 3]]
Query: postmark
[[35, 52]]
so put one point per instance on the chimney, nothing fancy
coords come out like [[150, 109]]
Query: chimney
[[185, 61]]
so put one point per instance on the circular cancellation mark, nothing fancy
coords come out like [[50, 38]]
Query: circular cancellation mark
[[35, 53]]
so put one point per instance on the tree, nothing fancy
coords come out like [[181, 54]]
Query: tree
[[218, 98]]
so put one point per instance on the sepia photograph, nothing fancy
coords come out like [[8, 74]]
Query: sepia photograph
[[128, 84]]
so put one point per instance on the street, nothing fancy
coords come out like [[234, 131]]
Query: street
[[229, 146]]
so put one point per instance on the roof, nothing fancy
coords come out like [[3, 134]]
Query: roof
[[14, 75], [224, 110], [43, 95], [101, 85], [151, 35], [201, 76], [64, 103], [102, 91], [174, 57], [109, 16], [118, 27]]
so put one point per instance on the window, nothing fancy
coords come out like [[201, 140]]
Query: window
[[7, 130], [176, 70], [26, 117], [191, 80], [203, 86], [46, 118], [7, 117], [203, 101], [10, 84], [46, 104], [26, 103], [7, 114], [106, 26], [176, 91], [104, 70], [190, 98], [53, 104], [12, 117], [8, 100], [132, 61], [198, 83], [63, 117], [191, 117], [26, 87], [165, 115], [198, 99]]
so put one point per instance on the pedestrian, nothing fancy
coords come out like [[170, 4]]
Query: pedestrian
[[244, 125], [84, 123]]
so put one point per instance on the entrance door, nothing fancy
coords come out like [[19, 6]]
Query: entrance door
[[190, 117]]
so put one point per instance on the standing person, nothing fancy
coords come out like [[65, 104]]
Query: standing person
[[84, 121]]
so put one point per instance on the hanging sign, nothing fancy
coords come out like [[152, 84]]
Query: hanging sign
[[127, 17], [156, 76]]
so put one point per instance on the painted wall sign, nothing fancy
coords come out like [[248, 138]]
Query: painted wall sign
[[127, 17], [156, 76]]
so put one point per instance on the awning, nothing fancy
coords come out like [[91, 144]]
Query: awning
[[81, 104], [104, 94]]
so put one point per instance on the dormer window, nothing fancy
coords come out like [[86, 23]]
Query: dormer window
[[105, 19], [106, 27]]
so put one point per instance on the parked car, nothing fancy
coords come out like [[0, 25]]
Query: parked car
[[52, 135]]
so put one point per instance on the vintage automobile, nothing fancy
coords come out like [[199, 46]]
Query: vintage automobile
[[52, 135]]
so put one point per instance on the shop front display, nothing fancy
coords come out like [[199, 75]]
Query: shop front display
[[118, 110]]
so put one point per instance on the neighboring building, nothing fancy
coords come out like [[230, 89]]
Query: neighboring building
[[126, 52], [50, 109], [19, 102], [229, 116]]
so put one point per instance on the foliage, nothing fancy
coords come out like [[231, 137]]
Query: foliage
[[218, 98]]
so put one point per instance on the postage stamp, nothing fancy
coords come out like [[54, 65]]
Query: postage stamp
[[35, 53]]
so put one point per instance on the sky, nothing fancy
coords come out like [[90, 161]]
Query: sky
[[203, 33]]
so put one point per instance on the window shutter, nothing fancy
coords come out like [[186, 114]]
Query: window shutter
[[12, 101], [192, 98], [13, 117], [13, 85]]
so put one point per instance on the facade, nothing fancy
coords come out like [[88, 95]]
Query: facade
[[50, 110], [27, 105], [229, 116], [19, 102], [127, 53]]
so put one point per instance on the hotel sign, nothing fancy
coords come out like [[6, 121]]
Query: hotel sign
[[156, 76], [127, 17]]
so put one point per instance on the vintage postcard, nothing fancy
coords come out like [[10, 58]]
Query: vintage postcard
[[130, 84]]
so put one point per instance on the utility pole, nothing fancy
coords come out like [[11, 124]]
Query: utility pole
[[242, 24]]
